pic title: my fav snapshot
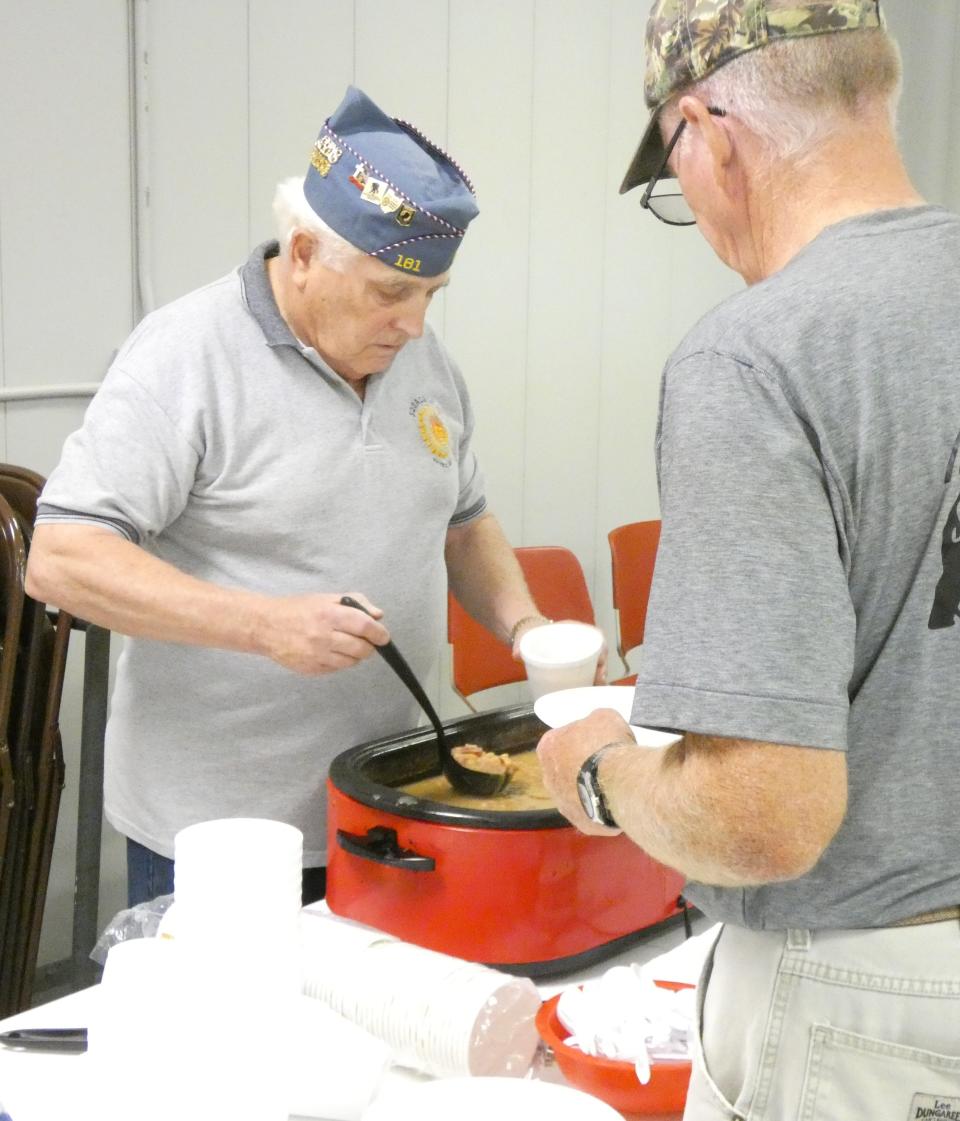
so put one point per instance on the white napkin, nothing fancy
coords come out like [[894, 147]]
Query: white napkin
[[624, 1015], [684, 962]]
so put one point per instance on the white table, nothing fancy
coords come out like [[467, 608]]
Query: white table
[[46, 1087]]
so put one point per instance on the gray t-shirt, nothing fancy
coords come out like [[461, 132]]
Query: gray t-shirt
[[223, 446], [807, 587]]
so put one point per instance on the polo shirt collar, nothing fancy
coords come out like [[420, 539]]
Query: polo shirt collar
[[258, 296]]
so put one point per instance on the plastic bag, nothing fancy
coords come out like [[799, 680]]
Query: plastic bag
[[141, 921]]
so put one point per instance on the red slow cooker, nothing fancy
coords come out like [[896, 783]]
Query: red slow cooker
[[520, 890]]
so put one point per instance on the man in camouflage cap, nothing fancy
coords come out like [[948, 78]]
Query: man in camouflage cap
[[803, 632], [687, 41]]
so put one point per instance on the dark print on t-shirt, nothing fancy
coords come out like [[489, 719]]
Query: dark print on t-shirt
[[946, 600]]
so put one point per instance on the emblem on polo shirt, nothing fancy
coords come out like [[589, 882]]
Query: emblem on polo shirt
[[433, 431]]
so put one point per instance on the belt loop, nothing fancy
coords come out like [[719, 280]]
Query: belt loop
[[798, 940]]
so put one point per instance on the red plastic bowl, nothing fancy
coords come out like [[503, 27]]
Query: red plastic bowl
[[613, 1080]]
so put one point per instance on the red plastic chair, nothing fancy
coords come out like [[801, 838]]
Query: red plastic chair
[[633, 552], [480, 659]]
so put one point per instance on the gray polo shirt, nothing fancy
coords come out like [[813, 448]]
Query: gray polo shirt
[[223, 446], [807, 587]]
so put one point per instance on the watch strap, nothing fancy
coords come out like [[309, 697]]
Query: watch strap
[[589, 776]]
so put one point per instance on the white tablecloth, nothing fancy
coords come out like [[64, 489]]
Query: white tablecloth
[[45, 1087]]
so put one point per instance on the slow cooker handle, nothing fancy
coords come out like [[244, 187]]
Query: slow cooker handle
[[380, 845]]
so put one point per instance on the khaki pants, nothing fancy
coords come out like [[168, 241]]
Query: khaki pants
[[860, 1025]]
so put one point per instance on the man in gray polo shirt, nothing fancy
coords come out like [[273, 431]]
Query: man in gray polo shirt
[[261, 447], [802, 634]]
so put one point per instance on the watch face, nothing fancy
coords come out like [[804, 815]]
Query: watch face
[[591, 796], [585, 798]]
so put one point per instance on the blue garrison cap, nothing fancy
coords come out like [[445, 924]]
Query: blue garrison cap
[[388, 190]]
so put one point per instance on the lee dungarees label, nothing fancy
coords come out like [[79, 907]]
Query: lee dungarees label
[[934, 1107]]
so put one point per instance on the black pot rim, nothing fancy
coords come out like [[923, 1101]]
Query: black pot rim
[[347, 775]]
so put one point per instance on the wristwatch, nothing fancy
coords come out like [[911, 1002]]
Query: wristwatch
[[588, 787]]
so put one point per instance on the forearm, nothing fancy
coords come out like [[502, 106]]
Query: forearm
[[105, 579], [485, 577], [719, 811]]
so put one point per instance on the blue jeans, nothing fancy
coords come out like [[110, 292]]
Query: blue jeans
[[149, 874]]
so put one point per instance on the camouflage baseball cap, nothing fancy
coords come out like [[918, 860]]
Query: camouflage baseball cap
[[689, 39]]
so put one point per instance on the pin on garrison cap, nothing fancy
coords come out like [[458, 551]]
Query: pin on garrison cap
[[388, 190], [689, 39]]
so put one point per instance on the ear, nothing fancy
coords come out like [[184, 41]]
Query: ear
[[714, 133], [303, 249]]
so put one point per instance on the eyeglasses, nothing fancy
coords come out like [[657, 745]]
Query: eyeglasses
[[672, 207]]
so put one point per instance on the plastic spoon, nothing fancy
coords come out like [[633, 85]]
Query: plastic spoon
[[481, 784]]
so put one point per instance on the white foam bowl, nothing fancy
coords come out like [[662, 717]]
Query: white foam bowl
[[567, 705]]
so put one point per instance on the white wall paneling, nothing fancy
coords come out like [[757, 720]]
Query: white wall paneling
[[929, 37], [64, 195], [491, 126], [402, 62], [566, 298], [566, 283], [65, 270], [301, 61], [198, 122]]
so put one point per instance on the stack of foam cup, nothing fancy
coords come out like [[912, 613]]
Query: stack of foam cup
[[237, 887], [439, 1014], [237, 891]]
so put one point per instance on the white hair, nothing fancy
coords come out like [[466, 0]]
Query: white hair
[[795, 93], [293, 213]]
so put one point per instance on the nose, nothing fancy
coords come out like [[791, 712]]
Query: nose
[[409, 319]]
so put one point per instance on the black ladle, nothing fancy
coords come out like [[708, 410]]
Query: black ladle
[[481, 784]]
